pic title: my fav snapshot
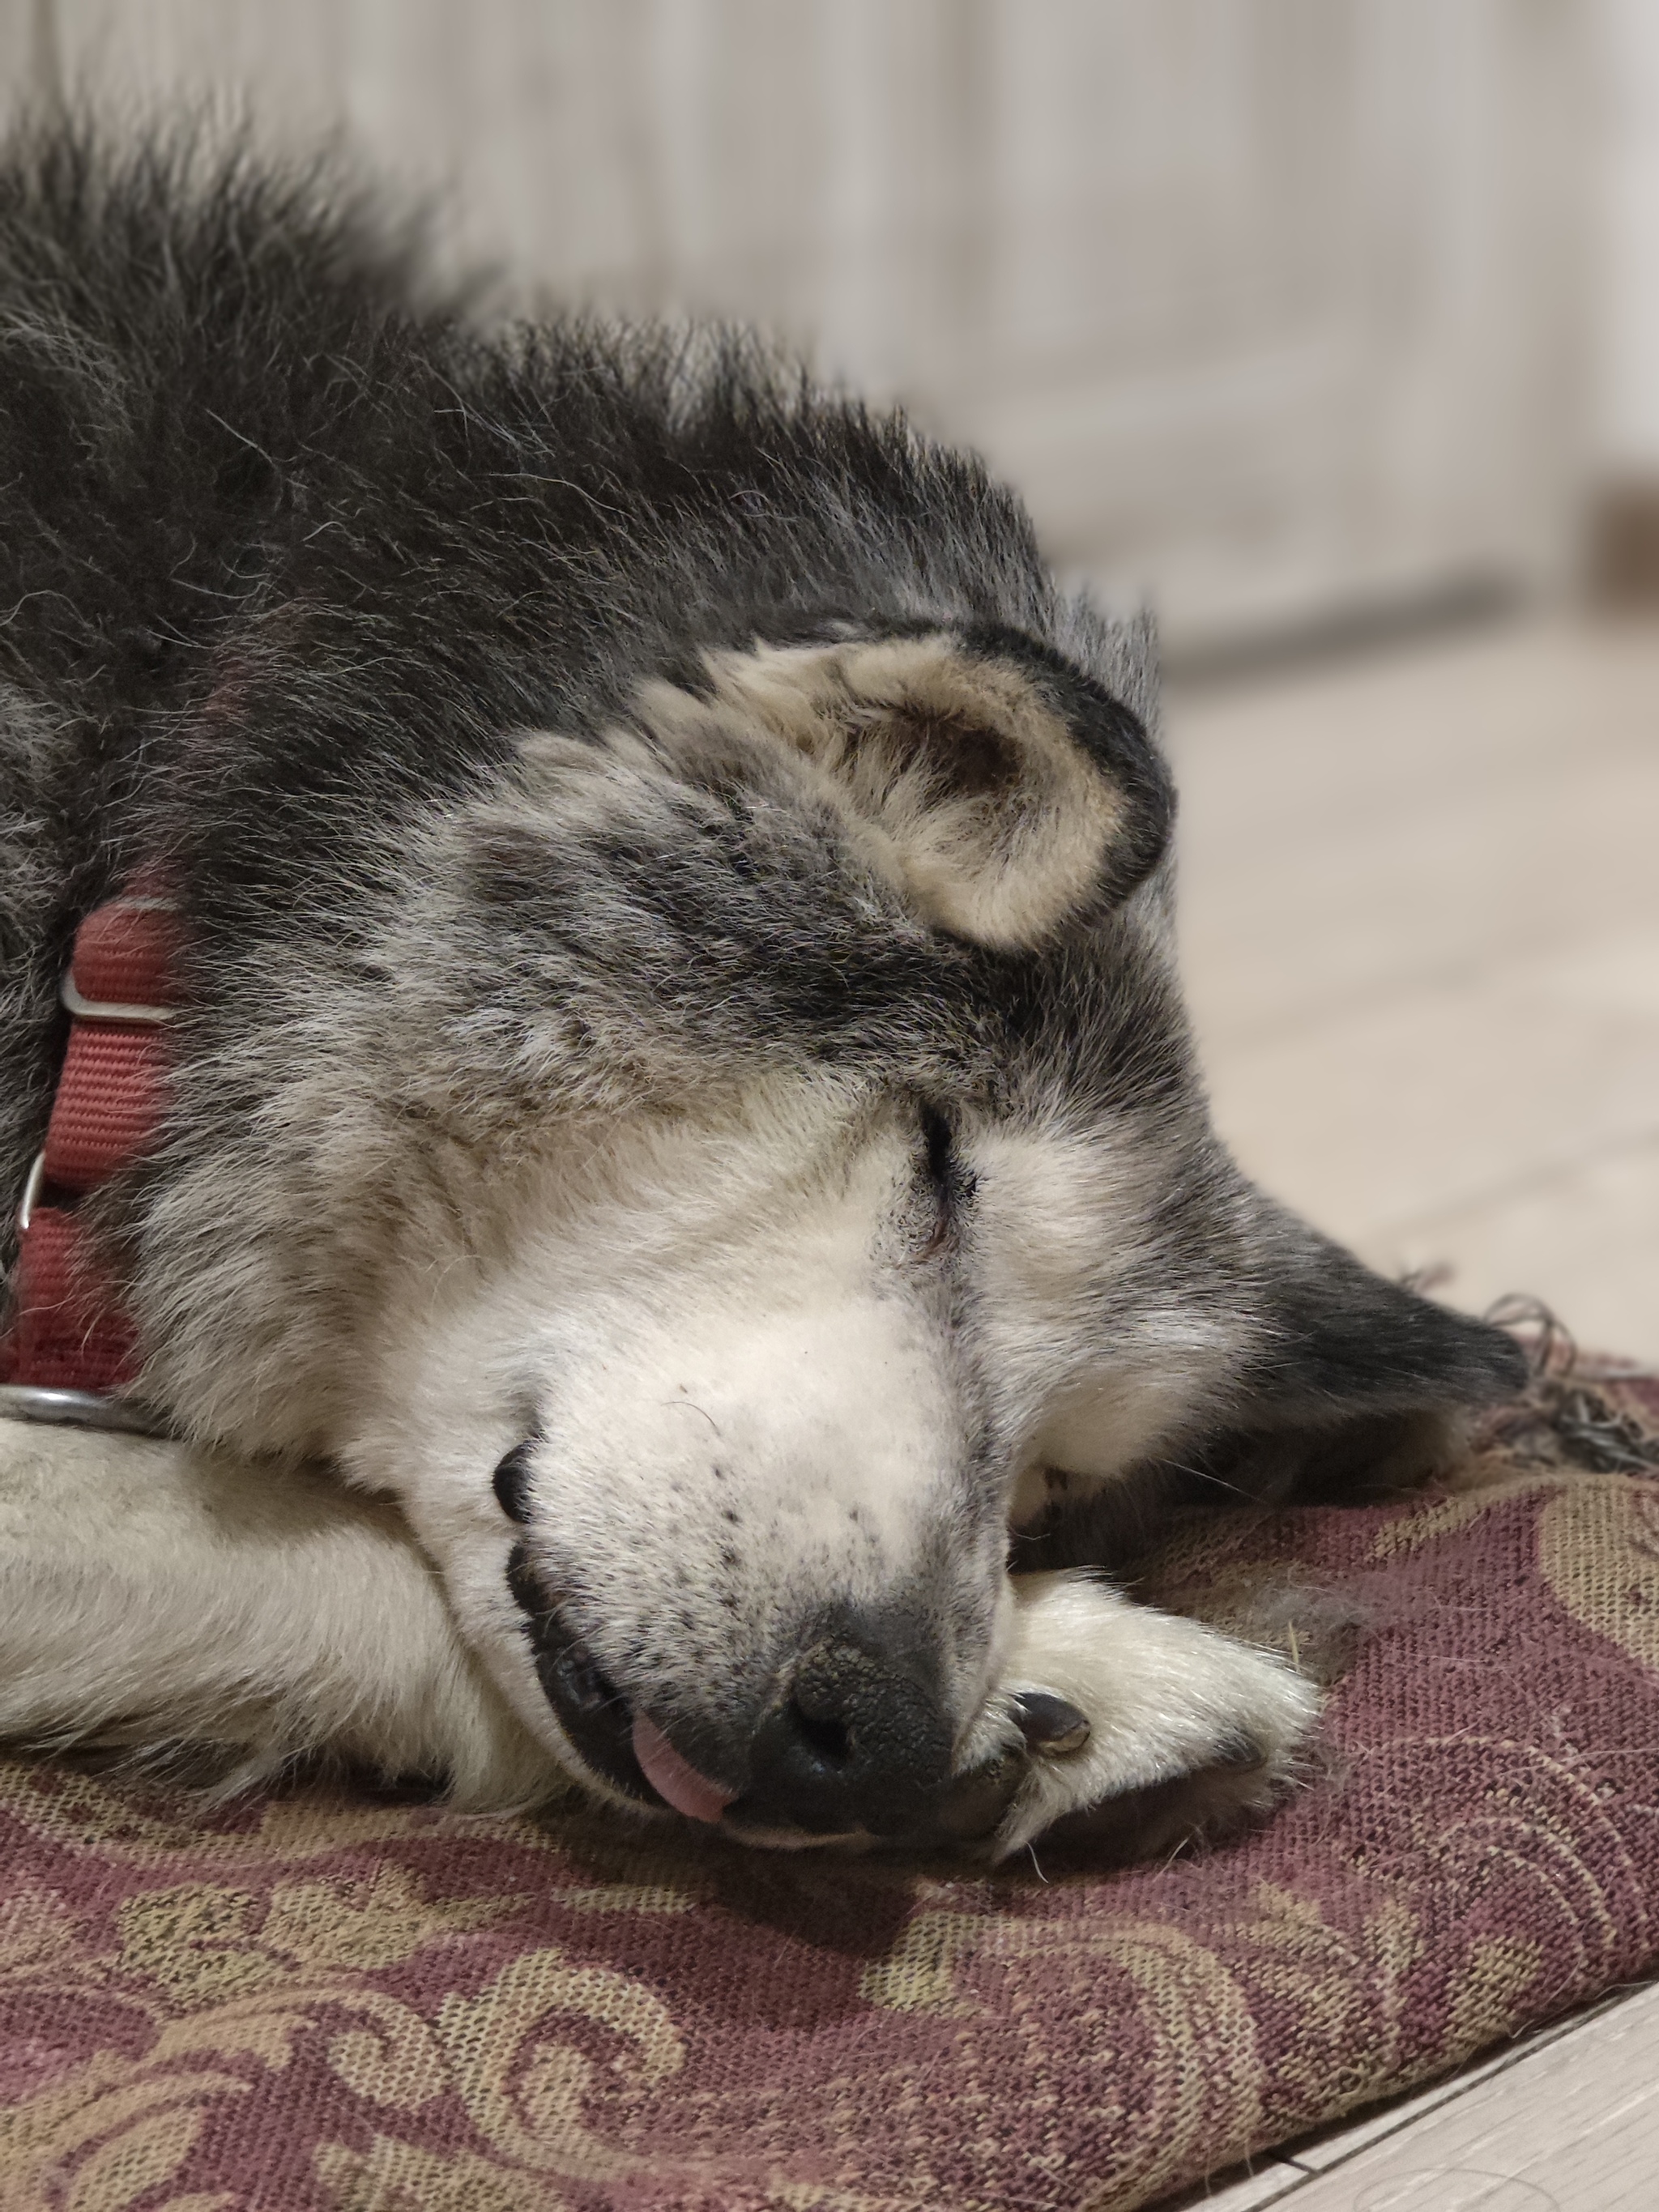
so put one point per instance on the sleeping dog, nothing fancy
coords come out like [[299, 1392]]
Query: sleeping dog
[[677, 1214]]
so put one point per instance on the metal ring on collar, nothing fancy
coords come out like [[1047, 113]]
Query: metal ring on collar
[[33, 1186], [77, 1409]]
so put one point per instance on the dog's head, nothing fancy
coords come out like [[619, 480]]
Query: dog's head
[[801, 1173]]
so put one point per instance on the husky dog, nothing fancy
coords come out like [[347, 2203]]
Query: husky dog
[[681, 1084]]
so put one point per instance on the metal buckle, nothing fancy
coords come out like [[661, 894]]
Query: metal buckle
[[40, 1403], [107, 1010], [77, 1409], [33, 1185], [113, 1010]]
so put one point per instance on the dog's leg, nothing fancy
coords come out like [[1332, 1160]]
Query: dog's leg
[[1189, 1730], [154, 1599]]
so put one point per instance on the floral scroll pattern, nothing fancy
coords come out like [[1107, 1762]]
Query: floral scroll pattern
[[308, 2006]]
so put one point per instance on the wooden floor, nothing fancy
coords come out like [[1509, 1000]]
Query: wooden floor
[[1420, 913], [1566, 2122], [1421, 900]]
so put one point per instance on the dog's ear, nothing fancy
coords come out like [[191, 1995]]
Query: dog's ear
[[999, 787], [1341, 1340], [1356, 1383]]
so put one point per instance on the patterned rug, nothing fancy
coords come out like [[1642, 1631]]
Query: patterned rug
[[366, 2008]]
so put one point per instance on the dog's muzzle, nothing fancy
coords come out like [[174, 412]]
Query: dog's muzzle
[[854, 1741]]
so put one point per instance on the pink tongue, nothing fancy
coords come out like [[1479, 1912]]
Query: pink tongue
[[672, 1777]]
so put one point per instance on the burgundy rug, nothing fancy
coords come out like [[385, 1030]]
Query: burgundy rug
[[353, 2007]]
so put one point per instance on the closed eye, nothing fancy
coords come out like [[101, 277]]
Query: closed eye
[[949, 1184], [940, 1140]]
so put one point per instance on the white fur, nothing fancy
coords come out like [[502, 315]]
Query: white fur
[[708, 1320], [151, 1593], [714, 1332]]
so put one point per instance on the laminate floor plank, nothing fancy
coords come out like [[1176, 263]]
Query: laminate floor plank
[[1403, 2126], [1570, 2126], [1270, 2183], [1419, 899]]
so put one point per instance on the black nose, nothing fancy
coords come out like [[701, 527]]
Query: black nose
[[859, 1741]]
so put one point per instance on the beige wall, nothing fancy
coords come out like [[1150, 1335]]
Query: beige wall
[[1269, 304]]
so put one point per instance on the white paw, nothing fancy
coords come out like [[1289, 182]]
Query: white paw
[[1188, 1730]]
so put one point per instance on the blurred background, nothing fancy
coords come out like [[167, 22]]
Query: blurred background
[[1330, 325]]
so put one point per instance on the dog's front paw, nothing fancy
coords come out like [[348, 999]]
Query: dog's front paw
[[1175, 1730], [1209, 1789]]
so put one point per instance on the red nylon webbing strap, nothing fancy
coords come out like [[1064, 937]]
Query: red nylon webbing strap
[[124, 953], [67, 1330], [107, 1104]]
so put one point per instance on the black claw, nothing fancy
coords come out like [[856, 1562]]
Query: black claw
[[1049, 1724]]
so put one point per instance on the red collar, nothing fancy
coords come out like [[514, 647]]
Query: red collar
[[68, 1348]]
